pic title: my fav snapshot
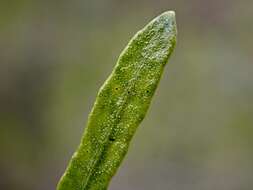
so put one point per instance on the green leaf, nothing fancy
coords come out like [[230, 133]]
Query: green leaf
[[120, 106]]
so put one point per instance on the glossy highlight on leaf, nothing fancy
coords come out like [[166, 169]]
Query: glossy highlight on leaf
[[120, 106]]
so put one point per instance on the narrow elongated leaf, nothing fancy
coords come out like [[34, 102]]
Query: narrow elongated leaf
[[120, 106]]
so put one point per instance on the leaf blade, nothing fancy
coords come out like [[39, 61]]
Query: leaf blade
[[120, 106]]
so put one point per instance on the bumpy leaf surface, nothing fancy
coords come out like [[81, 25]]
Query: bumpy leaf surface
[[120, 106]]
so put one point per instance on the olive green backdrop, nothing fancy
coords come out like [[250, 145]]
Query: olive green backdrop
[[54, 56]]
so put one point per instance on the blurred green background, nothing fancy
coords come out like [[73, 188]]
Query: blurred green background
[[54, 56]]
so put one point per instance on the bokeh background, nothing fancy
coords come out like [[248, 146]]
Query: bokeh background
[[54, 56]]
